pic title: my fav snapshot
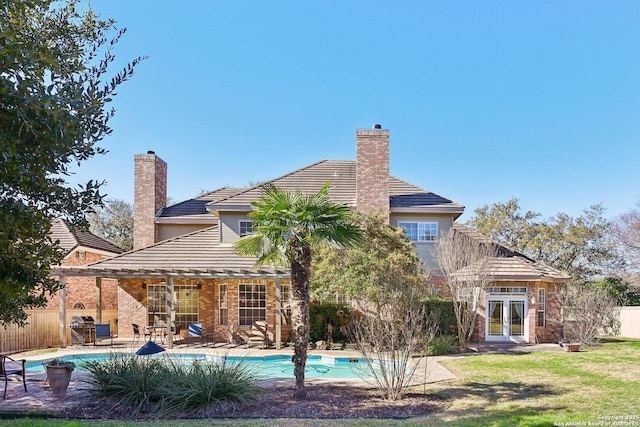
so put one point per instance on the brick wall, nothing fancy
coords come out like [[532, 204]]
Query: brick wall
[[82, 290], [372, 171], [150, 195], [132, 298]]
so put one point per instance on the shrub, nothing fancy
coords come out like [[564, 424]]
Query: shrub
[[444, 344], [168, 385], [321, 315], [445, 312]]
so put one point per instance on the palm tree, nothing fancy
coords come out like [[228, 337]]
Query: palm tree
[[288, 226]]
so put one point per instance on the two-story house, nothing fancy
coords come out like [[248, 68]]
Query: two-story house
[[184, 269]]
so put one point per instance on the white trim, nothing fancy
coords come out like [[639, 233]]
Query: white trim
[[505, 312], [240, 221]]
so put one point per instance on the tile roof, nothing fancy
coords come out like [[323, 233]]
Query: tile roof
[[511, 264], [196, 207], [196, 254], [342, 175], [70, 238]]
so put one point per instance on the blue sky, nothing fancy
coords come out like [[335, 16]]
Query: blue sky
[[484, 100]]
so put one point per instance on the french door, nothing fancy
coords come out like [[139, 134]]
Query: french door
[[507, 319]]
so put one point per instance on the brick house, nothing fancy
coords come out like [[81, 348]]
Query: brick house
[[183, 269], [82, 248]]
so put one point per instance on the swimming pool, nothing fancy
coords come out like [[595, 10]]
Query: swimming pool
[[276, 366]]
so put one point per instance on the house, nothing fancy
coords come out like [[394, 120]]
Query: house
[[183, 267], [81, 247]]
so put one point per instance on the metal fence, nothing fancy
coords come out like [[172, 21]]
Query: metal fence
[[42, 329]]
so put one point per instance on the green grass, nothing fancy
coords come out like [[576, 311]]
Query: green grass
[[537, 389], [543, 389]]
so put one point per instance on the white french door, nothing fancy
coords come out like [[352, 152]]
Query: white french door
[[507, 319]]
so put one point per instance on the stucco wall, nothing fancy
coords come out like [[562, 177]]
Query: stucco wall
[[630, 322]]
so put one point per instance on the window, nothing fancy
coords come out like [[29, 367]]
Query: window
[[81, 255], [186, 305], [78, 306], [542, 307], [252, 303], [285, 296], [507, 290], [223, 304], [420, 231], [246, 227], [156, 304]]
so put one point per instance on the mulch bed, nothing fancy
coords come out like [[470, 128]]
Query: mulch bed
[[322, 401]]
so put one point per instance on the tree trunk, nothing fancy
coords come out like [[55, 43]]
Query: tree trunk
[[300, 274]]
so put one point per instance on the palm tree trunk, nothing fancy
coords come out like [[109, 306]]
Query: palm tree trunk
[[300, 274]]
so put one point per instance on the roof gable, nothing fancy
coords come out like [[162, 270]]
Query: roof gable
[[511, 264], [71, 238]]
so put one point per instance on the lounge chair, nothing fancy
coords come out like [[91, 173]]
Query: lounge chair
[[136, 333], [195, 330], [103, 332], [260, 335], [13, 369]]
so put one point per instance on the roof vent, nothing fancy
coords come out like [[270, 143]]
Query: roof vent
[[377, 126], [151, 152]]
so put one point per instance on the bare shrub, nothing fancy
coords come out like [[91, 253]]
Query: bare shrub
[[588, 311], [392, 330], [466, 259]]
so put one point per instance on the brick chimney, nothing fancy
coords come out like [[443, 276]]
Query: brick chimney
[[372, 171], [150, 195]]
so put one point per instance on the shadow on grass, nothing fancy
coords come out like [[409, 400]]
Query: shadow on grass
[[519, 400], [505, 391]]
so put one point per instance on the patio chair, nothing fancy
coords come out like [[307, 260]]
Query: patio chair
[[136, 333], [103, 332], [195, 330], [13, 369]]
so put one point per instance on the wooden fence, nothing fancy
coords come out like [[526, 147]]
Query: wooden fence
[[42, 329]]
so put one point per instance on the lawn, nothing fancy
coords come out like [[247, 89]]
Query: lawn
[[591, 387]]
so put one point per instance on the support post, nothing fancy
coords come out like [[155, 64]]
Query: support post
[[170, 316], [98, 299], [62, 319], [278, 337]]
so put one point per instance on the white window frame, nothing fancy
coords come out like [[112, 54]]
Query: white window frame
[[421, 236], [223, 304], [242, 223], [542, 308], [254, 309]]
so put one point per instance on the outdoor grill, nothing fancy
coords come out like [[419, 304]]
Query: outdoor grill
[[83, 329]]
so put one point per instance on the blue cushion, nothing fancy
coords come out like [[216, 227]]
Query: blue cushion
[[195, 330]]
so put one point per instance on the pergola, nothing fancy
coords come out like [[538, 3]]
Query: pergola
[[168, 274]]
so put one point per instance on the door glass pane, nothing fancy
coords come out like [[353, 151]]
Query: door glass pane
[[516, 317], [495, 318]]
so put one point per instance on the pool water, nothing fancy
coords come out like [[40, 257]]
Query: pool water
[[278, 366]]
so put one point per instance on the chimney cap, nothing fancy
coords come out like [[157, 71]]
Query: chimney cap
[[377, 126], [151, 152]]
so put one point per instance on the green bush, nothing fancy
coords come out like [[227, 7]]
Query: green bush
[[444, 344], [168, 385], [321, 315], [447, 324]]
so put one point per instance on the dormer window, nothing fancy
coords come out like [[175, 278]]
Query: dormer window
[[420, 231], [246, 227]]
